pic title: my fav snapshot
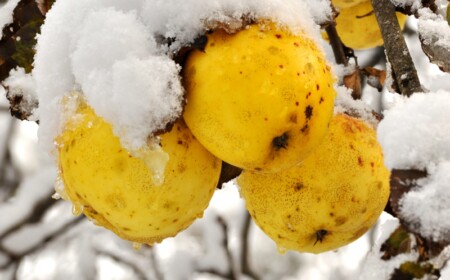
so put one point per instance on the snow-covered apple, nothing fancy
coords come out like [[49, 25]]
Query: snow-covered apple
[[118, 191]]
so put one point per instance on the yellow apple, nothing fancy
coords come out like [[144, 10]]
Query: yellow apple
[[260, 99]]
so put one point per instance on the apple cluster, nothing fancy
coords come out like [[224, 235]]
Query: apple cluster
[[260, 98]]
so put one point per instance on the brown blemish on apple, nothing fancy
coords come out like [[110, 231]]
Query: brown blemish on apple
[[308, 112], [340, 221], [280, 142]]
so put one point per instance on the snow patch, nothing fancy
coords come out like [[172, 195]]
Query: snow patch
[[428, 207], [415, 131], [118, 54]]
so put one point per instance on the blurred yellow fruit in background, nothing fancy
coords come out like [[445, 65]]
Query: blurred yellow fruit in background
[[341, 4], [358, 28]]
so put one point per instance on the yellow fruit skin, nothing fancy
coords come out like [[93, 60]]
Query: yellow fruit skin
[[342, 4], [259, 84], [329, 200], [358, 27], [116, 190]]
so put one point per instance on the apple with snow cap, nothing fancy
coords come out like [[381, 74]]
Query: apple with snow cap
[[120, 192]]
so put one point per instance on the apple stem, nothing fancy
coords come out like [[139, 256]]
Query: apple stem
[[403, 69]]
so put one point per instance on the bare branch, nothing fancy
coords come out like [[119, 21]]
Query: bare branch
[[336, 44], [16, 258], [245, 264], [404, 71], [139, 274]]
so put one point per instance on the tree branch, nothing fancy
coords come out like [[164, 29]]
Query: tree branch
[[404, 71], [16, 258], [245, 264], [336, 44]]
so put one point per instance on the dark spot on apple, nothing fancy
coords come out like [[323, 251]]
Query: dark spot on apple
[[298, 186], [320, 235], [280, 142], [308, 111], [340, 221], [321, 100], [360, 162], [278, 36]]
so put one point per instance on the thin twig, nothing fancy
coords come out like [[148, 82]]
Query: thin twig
[[140, 275], [336, 44], [39, 210], [224, 226], [156, 270], [232, 271], [245, 261], [404, 71], [16, 258]]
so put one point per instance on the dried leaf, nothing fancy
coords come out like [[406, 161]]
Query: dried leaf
[[398, 243], [412, 270], [45, 5], [353, 82], [375, 77]]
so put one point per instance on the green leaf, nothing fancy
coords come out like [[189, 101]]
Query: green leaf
[[19, 38]]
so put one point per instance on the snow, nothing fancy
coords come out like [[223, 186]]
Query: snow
[[415, 131], [414, 4], [433, 25], [374, 267], [22, 84], [113, 52], [344, 103], [6, 17], [428, 207]]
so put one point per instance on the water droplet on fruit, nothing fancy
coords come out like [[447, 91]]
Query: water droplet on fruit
[[77, 209], [281, 250], [156, 160], [137, 246], [60, 192]]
